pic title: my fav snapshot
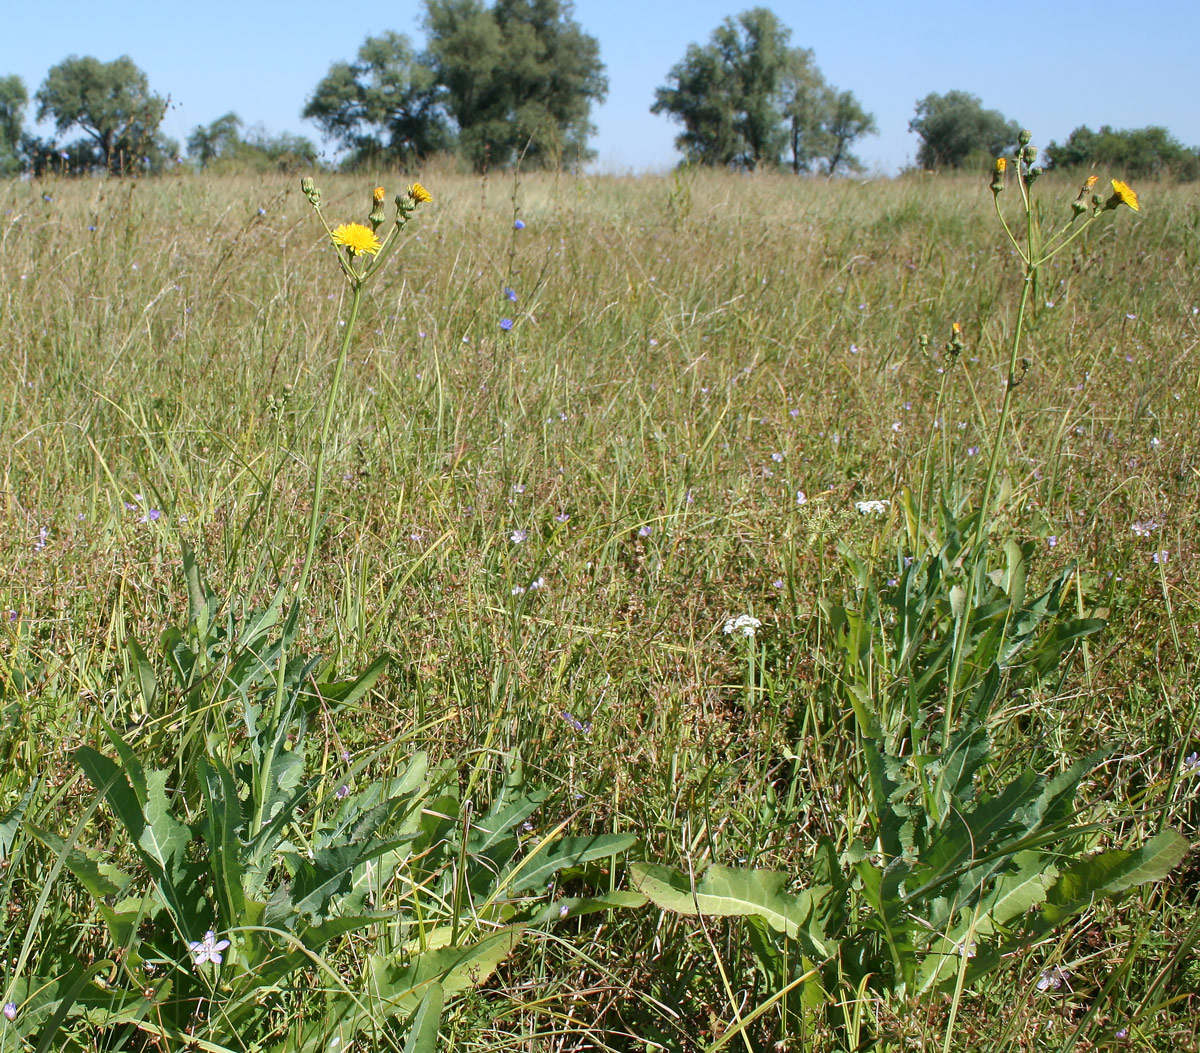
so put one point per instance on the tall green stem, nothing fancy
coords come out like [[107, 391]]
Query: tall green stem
[[326, 425]]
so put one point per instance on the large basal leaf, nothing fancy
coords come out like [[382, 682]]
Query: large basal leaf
[[729, 892], [536, 870], [423, 1031], [1111, 872], [398, 989]]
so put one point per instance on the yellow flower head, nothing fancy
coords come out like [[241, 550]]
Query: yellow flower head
[[358, 239], [378, 195], [419, 194], [1001, 165], [1092, 180], [1123, 194], [956, 329]]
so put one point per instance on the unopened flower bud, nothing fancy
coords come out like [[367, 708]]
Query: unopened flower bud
[[310, 191], [1029, 153], [998, 175], [376, 215], [1024, 136], [1032, 173]]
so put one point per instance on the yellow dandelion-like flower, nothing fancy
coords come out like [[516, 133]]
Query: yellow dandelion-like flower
[[358, 239], [1124, 194], [378, 195], [1092, 180], [419, 194], [1001, 165]]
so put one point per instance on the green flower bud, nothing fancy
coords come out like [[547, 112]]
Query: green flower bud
[[1024, 136], [310, 191]]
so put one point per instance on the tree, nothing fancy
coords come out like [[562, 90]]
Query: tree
[[384, 107], [221, 144], [954, 126], [1136, 152], [845, 121], [518, 79], [111, 103], [727, 93], [13, 99], [746, 98]]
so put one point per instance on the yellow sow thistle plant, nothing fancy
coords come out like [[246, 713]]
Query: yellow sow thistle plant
[[360, 255]]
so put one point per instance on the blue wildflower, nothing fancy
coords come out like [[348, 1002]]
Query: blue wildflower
[[519, 224], [506, 323], [510, 294]]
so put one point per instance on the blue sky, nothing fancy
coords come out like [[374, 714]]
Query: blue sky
[[1052, 66]]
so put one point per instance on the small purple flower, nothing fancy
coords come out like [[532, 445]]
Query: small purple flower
[[777, 458], [645, 531], [506, 324], [517, 536], [1052, 540], [154, 514], [518, 224], [343, 792], [10, 1010], [1161, 556], [562, 517], [262, 211], [1144, 529], [207, 949], [518, 488], [1191, 763], [510, 294], [777, 583], [972, 451], [582, 726]]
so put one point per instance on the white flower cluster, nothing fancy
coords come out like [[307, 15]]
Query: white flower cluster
[[872, 507], [745, 624]]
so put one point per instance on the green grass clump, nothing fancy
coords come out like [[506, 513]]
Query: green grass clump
[[687, 356]]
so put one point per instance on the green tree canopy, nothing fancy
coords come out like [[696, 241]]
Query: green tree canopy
[[518, 77], [384, 106], [13, 100], [222, 145], [955, 126], [1136, 152], [746, 99], [111, 103]]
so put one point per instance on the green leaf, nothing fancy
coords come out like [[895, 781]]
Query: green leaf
[[1108, 873], [11, 823], [396, 989], [112, 782], [423, 1032], [223, 827], [728, 892], [99, 878], [536, 870], [144, 671]]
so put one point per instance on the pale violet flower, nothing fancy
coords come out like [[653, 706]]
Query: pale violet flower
[[801, 497], [208, 949], [1191, 763], [517, 536], [10, 1010], [1161, 556], [1051, 979], [1144, 529], [872, 507], [746, 624]]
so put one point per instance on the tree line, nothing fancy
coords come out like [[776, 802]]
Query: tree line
[[516, 80]]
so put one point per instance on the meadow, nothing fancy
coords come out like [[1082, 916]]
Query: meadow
[[518, 650]]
